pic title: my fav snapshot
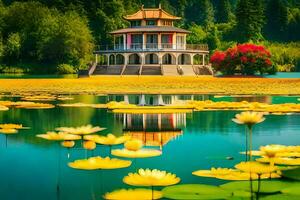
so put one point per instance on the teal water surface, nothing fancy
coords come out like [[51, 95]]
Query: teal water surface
[[34, 169]]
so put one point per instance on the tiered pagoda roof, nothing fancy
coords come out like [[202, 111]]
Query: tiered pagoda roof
[[151, 13]]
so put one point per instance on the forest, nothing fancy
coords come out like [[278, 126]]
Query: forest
[[59, 36]]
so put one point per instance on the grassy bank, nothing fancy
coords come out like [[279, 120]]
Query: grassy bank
[[159, 85]]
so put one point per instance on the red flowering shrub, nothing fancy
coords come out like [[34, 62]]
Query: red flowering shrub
[[246, 59]]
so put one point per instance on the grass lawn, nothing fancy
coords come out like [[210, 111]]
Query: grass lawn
[[155, 85]]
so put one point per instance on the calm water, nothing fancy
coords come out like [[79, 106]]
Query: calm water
[[35, 169]]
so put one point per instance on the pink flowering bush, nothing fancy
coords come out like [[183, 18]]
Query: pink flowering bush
[[246, 59]]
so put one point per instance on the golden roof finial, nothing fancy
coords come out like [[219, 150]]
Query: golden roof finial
[[159, 6]]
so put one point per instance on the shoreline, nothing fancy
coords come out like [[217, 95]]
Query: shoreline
[[154, 85]]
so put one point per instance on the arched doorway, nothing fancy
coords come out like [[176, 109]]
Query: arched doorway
[[168, 59], [197, 59], [134, 59], [184, 59], [112, 59], [151, 58], [120, 59]]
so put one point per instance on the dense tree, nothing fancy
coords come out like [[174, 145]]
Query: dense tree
[[277, 19], [223, 11], [250, 19], [200, 12]]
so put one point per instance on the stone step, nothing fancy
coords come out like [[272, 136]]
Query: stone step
[[187, 70], [170, 70], [132, 70], [151, 70]]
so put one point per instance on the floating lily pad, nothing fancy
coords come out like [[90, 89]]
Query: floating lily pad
[[265, 187], [195, 191], [280, 197], [294, 190], [292, 174]]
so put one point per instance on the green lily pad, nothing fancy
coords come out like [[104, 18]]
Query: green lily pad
[[265, 186], [280, 197], [294, 190], [241, 194], [195, 191], [292, 173]]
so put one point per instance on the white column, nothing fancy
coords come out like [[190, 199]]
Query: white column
[[192, 59], [144, 40], [108, 59], [125, 59], [159, 41], [96, 58], [124, 41], [203, 59]]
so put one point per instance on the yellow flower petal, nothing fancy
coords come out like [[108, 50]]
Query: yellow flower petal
[[133, 194], [95, 163], [149, 177], [142, 153]]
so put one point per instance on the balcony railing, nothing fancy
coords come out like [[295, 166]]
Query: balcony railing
[[152, 46]]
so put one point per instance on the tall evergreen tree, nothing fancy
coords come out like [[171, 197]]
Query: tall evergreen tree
[[250, 19], [200, 12], [277, 20], [223, 11]]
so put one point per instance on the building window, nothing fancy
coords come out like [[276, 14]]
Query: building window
[[135, 23], [119, 42], [151, 23], [152, 40], [166, 40], [180, 42], [166, 22]]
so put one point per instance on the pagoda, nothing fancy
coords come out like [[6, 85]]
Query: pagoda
[[152, 45]]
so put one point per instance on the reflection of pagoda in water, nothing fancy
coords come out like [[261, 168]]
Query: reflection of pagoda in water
[[154, 122], [154, 138], [154, 129]]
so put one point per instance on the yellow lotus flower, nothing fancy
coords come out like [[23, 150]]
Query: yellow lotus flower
[[94, 163], [82, 130], [11, 126], [3, 108], [255, 167], [232, 174], [151, 178], [32, 105], [248, 118], [9, 131], [110, 139], [39, 98], [272, 150], [142, 153], [133, 194], [59, 136], [133, 145], [280, 160], [90, 145], [68, 144]]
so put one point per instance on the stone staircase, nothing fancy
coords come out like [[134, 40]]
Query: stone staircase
[[100, 70], [132, 70], [170, 70], [151, 70], [187, 70]]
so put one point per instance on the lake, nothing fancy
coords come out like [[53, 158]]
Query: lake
[[33, 169]]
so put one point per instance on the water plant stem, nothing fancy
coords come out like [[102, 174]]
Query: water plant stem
[[250, 143], [247, 153], [258, 186], [152, 192]]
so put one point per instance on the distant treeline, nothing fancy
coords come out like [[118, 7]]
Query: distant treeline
[[47, 36]]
